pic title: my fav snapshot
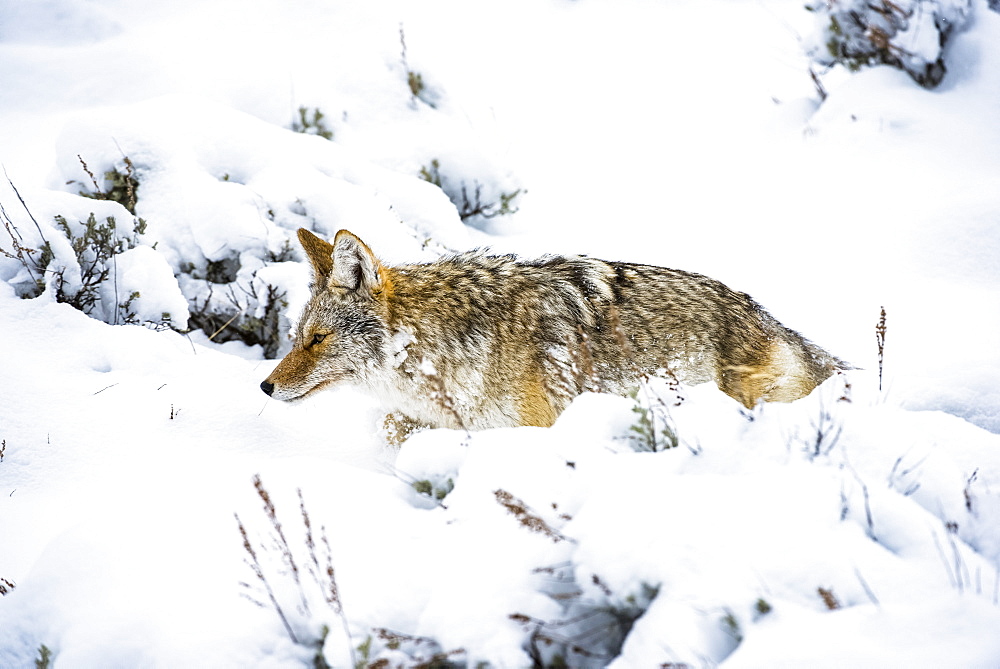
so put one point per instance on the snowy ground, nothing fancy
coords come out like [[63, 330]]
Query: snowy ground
[[829, 532]]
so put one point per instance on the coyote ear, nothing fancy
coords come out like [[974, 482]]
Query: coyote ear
[[320, 254], [354, 264]]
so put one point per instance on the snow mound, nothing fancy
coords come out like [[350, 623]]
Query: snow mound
[[144, 478]]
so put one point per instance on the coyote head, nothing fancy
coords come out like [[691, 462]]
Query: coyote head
[[341, 336]]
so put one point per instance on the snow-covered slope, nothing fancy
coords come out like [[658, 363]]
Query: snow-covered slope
[[856, 527]]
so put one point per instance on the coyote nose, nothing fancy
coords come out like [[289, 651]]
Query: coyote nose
[[268, 388]]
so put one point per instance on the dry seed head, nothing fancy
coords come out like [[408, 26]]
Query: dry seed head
[[519, 510], [829, 599]]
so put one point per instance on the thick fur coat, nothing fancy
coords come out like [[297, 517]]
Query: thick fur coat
[[477, 341]]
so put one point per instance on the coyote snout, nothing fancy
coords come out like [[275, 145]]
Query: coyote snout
[[478, 341]]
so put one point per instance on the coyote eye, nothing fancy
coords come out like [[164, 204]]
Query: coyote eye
[[317, 338]]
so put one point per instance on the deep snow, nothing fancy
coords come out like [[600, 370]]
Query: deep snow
[[686, 134]]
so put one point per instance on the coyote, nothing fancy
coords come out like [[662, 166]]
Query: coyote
[[476, 341]]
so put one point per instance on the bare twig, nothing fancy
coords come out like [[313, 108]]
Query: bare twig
[[329, 589], [867, 588], [953, 578], [225, 325], [286, 550], [259, 573], [820, 89], [898, 475], [880, 340], [86, 168], [22, 253], [25, 205], [967, 491]]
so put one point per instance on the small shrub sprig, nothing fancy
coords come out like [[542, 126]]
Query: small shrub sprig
[[432, 173], [437, 492], [731, 625], [474, 206], [471, 207], [425, 652], [762, 607], [313, 123], [414, 80], [121, 187], [44, 657]]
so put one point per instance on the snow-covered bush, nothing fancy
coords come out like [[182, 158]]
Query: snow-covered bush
[[908, 34], [239, 298], [97, 265], [594, 623], [96, 245], [222, 214], [92, 261], [476, 203]]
